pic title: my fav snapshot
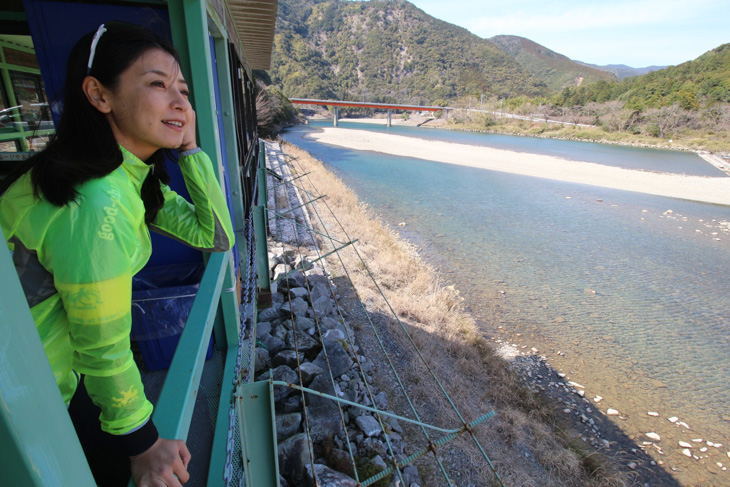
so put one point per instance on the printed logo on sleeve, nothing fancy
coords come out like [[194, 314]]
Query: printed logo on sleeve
[[99, 302], [110, 215], [85, 298], [127, 398]]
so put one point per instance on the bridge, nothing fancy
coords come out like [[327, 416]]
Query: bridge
[[362, 104]]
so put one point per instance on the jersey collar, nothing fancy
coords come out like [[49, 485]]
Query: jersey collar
[[134, 166]]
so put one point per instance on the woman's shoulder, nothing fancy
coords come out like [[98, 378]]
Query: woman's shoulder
[[100, 190], [115, 185], [16, 202], [107, 199]]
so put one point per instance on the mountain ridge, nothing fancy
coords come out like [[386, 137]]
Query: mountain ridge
[[554, 69], [387, 51], [392, 51], [623, 71]]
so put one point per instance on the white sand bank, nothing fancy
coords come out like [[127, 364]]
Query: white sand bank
[[696, 188], [412, 121], [379, 121]]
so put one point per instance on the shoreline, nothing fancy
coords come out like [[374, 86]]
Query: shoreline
[[419, 121], [713, 190]]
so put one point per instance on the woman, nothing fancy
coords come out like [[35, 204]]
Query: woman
[[77, 218]]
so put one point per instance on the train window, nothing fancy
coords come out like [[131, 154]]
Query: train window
[[25, 118]]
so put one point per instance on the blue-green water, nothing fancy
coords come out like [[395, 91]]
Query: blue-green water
[[633, 288]]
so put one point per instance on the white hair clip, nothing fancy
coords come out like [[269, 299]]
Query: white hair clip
[[99, 32]]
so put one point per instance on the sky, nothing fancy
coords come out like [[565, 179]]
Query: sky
[[637, 33]]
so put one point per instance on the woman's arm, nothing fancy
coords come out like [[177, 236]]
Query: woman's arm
[[206, 224], [92, 271]]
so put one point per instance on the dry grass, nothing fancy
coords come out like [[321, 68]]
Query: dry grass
[[526, 441]]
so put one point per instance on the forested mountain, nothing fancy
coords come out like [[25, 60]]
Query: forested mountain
[[555, 70], [702, 82], [387, 50], [622, 71]]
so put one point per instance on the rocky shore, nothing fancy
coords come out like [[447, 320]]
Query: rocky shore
[[305, 340], [650, 457]]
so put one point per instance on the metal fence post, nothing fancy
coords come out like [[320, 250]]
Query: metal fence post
[[263, 190], [262, 252]]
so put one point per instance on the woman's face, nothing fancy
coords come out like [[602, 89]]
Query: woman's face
[[150, 107]]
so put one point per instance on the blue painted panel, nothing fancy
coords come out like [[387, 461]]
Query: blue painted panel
[[166, 251]]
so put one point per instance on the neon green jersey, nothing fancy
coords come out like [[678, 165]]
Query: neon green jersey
[[76, 264]]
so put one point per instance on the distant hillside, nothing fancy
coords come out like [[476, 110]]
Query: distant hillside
[[622, 71], [387, 51], [555, 70], [693, 84]]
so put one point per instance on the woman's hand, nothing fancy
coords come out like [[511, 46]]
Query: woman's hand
[[164, 464], [189, 141]]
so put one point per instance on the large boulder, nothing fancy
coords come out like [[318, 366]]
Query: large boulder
[[262, 360], [287, 425], [287, 357], [284, 374], [327, 323], [297, 307], [368, 425], [291, 404], [320, 290], [273, 344], [295, 279], [316, 278], [293, 456], [302, 323], [323, 306], [326, 477], [323, 413], [268, 314], [309, 372], [263, 328], [339, 360], [299, 292], [304, 343]]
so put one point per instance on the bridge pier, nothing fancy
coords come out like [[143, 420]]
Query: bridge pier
[[390, 112], [337, 116]]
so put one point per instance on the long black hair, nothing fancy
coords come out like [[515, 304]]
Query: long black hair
[[84, 146]]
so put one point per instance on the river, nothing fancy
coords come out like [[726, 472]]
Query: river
[[631, 289]]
